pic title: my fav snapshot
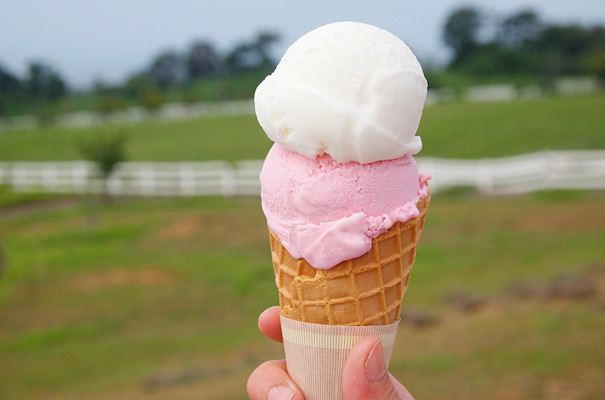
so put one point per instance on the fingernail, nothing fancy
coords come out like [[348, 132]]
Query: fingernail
[[281, 393], [375, 367]]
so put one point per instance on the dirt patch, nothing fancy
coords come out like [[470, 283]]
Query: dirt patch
[[563, 286], [419, 318], [465, 301], [214, 229], [36, 207], [121, 277], [561, 217], [184, 228], [588, 385]]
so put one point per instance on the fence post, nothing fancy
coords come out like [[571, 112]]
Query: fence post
[[148, 177], [79, 177], [228, 180], [553, 164], [18, 177], [4, 168], [186, 179], [485, 177]]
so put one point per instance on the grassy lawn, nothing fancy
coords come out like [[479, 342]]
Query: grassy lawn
[[458, 130], [159, 299]]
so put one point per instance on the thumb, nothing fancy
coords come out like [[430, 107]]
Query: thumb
[[365, 374]]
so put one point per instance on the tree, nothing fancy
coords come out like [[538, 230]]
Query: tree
[[36, 81], [106, 152], [137, 84], [595, 38], [240, 58], [10, 88], [202, 60], [568, 40], [109, 99], [518, 29], [44, 83], [254, 55], [152, 99], [595, 63], [461, 32], [9, 84], [568, 49], [495, 59], [110, 102], [264, 41], [167, 70]]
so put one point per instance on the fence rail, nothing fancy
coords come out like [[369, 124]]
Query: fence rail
[[520, 174]]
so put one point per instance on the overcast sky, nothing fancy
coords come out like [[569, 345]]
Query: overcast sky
[[110, 39]]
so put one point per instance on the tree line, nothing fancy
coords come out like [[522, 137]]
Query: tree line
[[173, 71], [522, 44], [171, 75], [41, 85], [482, 45]]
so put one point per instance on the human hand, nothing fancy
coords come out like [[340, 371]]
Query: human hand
[[365, 375]]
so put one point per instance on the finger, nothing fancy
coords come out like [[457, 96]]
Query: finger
[[270, 381], [401, 390], [269, 323], [365, 374]]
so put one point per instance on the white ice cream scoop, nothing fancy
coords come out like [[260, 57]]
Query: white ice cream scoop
[[348, 89]]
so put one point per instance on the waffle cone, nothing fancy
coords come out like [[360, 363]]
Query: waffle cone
[[366, 290]]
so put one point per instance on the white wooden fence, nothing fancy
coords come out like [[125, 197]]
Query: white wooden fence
[[521, 174], [545, 170]]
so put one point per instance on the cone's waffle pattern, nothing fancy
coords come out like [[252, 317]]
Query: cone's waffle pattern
[[366, 290]]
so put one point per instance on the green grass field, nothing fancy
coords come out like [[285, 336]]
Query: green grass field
[[167, 287], [158, 298], [456, 130]]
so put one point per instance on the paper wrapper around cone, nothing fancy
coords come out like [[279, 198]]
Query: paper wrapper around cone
[[316, 353], [325, 312]]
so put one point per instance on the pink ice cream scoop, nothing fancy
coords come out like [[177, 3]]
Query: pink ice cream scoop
[[327, 212]]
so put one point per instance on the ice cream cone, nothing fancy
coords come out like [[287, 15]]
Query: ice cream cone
[[342, 106], [366, 290]]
